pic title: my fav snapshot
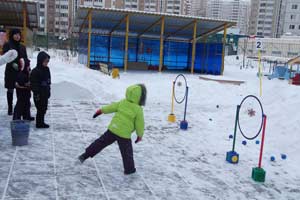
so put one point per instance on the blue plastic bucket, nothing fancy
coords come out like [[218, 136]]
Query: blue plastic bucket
[[19, 132]]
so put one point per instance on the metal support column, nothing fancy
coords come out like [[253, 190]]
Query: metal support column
[[224, 45], [89, 38], [126, 44], [24, 24], [161, 49], [194, 46]]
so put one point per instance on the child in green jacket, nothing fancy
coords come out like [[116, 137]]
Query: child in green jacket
[[129, 117]]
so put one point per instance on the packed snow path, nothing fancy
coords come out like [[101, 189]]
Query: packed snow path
[[171, 164], [169, 167]]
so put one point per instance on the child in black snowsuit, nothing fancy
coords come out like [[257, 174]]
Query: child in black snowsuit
[[40, 80], [22, 108]]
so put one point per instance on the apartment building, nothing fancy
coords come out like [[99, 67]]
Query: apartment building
[[198, 7], [291, 24], [266, 17], [55, 17], [58, 16], [163, 6], [236, 10]]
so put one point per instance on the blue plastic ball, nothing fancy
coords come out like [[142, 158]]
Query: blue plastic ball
[[272, 158], [230, 136], [257, 142], [244, 142], [283, 156]]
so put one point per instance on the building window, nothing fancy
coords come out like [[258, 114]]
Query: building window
[[293, 16], [63, 14], [292, 54], [42, 6], [276, 53], [295, 6], [292, 27]]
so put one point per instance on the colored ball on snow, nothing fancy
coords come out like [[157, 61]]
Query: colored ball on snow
[[210, 119], [244, 142], [283, 156], [230, 136], [257, 142], [179, 84], [217, 106], [272, 158]]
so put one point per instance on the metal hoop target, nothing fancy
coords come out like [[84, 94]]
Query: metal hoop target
[[185, 86], [262, 117]]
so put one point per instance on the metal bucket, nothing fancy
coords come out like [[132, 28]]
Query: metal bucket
[[19, 132]]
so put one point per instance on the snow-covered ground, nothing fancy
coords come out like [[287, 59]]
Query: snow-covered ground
[[171, 163]]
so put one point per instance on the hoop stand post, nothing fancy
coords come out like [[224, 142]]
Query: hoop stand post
[[260, 73], [172, 117], [184, 123], [258, 173], [232, 156]]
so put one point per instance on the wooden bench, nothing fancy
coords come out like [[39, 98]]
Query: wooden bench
[[104, 68], [222, 81]]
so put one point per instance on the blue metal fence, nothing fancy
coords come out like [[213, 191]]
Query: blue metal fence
[[177, 55]]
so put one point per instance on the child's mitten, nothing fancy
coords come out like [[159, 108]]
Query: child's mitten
[[138, 139], [99, 112]]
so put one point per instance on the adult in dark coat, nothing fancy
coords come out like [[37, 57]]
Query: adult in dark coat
[[40, 80], [12, 68]]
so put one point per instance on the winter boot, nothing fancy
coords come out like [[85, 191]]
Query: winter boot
[[130, 172], [82, 158], [43, 122], [39, 121]]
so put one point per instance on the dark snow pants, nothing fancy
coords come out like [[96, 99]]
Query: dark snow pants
[[41, 105], [125, 147], [10, 98], [22, 108]]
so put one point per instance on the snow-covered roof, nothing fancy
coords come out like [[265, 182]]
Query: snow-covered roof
[[12, 13], [108, 20]]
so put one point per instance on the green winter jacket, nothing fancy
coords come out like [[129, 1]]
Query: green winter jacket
[[129, 115]]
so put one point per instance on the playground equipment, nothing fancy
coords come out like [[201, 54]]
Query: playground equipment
[[286, 71], [115, 73], [295, 75], [296, 79], [281, 72], [250, 112], [180, 92], [107, 68]]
